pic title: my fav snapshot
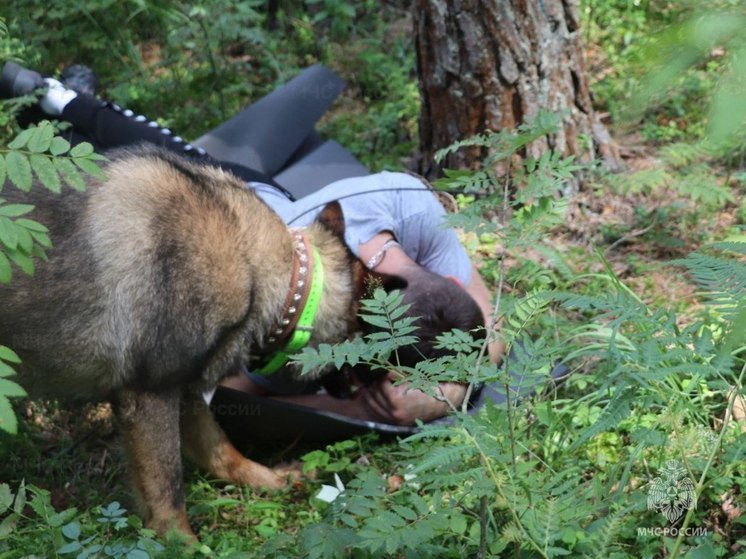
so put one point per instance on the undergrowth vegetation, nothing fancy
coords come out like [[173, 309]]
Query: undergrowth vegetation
[[637, 285]]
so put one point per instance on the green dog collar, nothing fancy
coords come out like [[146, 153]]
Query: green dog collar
[[304, 328]]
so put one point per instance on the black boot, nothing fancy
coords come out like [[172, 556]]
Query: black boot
[[16, 81]]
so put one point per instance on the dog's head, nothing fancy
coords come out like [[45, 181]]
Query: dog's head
[[438, 303], [346, 280]]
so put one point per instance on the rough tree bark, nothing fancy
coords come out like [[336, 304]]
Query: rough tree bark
[[493, 64]]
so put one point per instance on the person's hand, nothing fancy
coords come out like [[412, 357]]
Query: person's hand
[[402, 405]]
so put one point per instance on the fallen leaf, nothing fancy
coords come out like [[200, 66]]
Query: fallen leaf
[[729, 507], [394, 483]]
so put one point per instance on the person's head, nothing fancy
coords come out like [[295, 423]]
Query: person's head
[[441, 305]]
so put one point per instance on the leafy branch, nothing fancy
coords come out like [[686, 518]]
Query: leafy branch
[[35, 152]]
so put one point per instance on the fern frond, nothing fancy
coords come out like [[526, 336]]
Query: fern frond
[[405, 528], [456, 478], [618, 408], [480, 140], [466, 182], [643, 181], [604, 539], [524, 310], [702, 186], [731, 246], [682, 154], [432, 432], [722, 279], [444, 456], [542, 523]]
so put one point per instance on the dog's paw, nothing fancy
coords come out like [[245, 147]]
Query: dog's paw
[[248, 472], [291, 472], [172, 524]]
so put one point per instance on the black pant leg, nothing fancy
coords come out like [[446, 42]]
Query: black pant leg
[[108, 126]]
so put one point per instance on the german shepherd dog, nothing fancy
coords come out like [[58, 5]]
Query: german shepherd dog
[[161, 279]]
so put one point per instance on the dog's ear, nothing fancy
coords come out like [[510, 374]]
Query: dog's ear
[[332, 218]]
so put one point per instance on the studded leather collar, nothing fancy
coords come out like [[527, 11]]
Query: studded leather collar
[[293, 330]]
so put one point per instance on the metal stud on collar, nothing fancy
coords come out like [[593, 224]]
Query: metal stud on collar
[[294, 328], [302, 253]]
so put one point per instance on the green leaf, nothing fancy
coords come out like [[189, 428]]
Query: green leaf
[[69, 173], [83, 149], [23, 261], [8, 233], [6, 497], [11, 389], [71, 547], [2, 172], [25, 240], [20, 502], [41, 138], [7, 354], [390, 519], [8, 420], [21, 140], [6, 273], [31, 225], [6, 370], [90, 168], [38, 252], [8, 525], [57, 519], [59, 146], [404, 512], [71, 531], [44, 169], [15, 210], [40, 238], [41, 502], [19, 170]]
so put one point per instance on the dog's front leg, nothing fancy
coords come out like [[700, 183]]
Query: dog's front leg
[[206, 443], [150, 427]]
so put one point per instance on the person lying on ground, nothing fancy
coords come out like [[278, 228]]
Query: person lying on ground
[[393, 223]]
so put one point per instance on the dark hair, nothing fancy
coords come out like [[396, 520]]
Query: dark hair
[[441, 305]]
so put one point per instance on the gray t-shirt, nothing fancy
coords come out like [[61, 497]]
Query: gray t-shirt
[[394, 202], [385, 201]]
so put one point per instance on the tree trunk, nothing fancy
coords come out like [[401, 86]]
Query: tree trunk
[[493, 64]]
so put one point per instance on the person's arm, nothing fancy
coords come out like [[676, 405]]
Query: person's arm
[[392, 261], [384, 401], [349, 407], [481, 295]]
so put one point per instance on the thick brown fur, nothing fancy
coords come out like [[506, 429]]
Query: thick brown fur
[[161, 279]]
